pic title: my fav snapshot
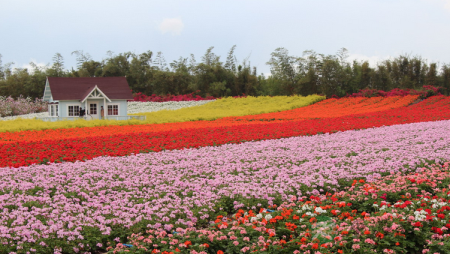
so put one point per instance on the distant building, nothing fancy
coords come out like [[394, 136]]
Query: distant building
[[67, 95]]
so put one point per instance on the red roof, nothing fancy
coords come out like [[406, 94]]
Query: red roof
[[78, 88]]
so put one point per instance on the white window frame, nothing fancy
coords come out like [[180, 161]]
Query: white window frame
[[118, 109], [53, 110], [73, 105]]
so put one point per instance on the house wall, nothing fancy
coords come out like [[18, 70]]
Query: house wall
[[123, 110], [63, 110], [63, 106]]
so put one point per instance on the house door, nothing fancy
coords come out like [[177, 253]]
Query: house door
[[93, 110]]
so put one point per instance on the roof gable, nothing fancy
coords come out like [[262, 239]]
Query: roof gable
[[95, 93], [78, 88]]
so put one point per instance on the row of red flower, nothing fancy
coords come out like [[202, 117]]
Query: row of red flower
[[25, 153]]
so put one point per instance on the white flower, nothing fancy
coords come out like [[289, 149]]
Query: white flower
[[320, 210], [268, 217], [310, 214], [307, 207], [141, 107]]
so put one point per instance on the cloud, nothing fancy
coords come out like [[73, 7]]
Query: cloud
[[174, 26], [372, 60], [30, 67], [447, 5], [444, 3]]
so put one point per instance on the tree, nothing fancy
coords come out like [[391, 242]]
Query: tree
[[446, 78], [57, 69], [117, 66], [286, 69], [431, 76], [230, 64], [2, 74]]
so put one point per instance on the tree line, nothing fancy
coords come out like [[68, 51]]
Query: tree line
[[311, 73]]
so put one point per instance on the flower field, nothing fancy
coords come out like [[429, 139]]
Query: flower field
[[200, 110], [24, 148], [348, 175]]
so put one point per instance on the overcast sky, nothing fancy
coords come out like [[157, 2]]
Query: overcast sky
[[370, 29]]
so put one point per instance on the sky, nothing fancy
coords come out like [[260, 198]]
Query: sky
[[372, 30]]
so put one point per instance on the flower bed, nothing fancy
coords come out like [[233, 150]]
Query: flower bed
[[19, 153], [20, 106], [144, 107], [327, 108], [81, 206], [169, 97], [425, 92], [395, 214], [330, 108], [209, 111]]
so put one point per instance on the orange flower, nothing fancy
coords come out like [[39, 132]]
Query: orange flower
[[187, 244], [344, 232], [219, 252]]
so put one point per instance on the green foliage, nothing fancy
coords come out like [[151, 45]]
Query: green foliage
[[312, 73]]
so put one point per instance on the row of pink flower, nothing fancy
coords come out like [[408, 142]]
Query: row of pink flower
[[54, 204], [20, 106]]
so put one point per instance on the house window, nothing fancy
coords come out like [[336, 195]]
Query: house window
[[74, 110], [113, 110], [93, 109], [53, 109]]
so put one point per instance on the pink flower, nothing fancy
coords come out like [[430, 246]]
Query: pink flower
[[236, 243], [369, 241], [245, 249], [356, 246]]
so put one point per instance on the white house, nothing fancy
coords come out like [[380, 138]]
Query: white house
[[66, 96]]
